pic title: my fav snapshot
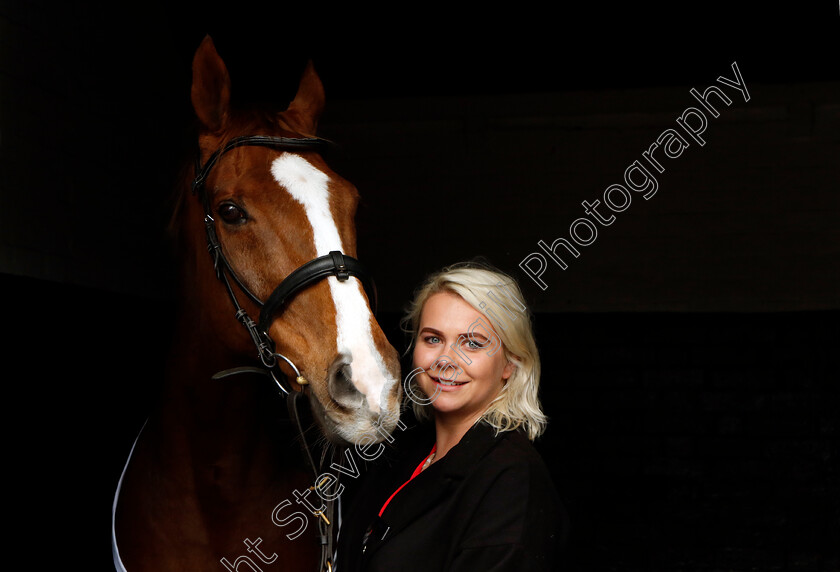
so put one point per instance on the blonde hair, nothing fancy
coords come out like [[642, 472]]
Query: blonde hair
[[497, 297]]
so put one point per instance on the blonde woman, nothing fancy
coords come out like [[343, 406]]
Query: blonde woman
[[466, 491]]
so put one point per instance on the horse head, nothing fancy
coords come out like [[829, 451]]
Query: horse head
[[272, 209]]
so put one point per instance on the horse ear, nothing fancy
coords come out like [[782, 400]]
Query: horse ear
[[305, 109], [210, 87]]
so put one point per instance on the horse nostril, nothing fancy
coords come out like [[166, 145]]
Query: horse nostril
[[342, 389]]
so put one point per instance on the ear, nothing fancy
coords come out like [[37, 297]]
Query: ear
[[306, 108], [210, 87], [508, 370]]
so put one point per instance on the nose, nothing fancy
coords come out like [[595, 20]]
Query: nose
[[445, 367], [357, 383]]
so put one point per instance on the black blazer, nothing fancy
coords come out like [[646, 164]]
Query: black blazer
[[489, 505]]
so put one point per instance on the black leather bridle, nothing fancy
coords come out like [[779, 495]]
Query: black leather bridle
[[333, 264]]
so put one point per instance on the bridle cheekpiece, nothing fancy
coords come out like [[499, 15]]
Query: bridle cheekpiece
[[335, 263]]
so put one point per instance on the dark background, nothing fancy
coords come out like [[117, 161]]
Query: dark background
[[690, 354]]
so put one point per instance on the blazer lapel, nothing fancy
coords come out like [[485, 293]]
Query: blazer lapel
[[433, 486]]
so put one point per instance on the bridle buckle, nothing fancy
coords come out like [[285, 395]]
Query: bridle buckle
[[341, 271]]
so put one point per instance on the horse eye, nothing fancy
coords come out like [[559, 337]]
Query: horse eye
[[232, 214]]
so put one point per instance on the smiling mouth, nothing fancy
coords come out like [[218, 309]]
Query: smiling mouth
[[448, 383]]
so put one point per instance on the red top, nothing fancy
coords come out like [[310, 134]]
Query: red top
[[416, 472]]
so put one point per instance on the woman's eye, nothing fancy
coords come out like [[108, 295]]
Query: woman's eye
[[470, 344], [431, 340], [231, 213]]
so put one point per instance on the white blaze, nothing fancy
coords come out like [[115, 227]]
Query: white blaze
[[310, 187]]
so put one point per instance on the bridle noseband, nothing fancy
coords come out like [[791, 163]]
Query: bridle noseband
[[333, 264]]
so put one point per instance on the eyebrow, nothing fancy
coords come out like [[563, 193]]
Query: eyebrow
[[474, 335]]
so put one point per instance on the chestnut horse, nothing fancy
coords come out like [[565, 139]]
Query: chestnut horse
[[217, 478]]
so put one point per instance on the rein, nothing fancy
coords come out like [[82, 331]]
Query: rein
[[334, 264]]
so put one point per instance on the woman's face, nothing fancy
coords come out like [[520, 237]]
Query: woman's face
[[465, 365]]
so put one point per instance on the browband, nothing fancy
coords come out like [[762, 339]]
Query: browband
[[255, 140]]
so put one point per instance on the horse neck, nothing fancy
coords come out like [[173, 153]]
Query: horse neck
[[215, 452], [238, 412]]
